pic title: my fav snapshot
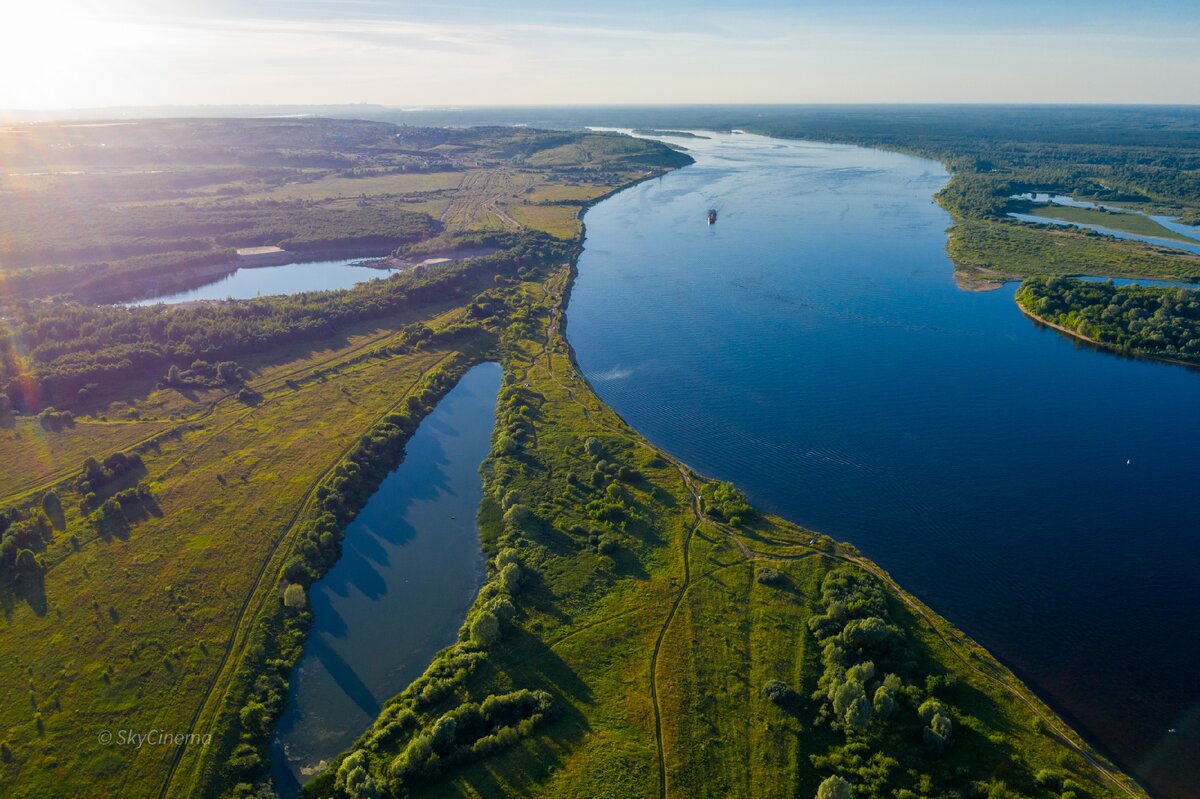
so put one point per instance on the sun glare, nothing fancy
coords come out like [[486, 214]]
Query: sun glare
[[59, 54]]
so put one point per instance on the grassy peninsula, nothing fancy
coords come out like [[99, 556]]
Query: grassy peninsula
[[185, 475]]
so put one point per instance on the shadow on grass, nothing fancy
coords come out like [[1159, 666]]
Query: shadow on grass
[[627, 564], [521, 770], [25, 588]]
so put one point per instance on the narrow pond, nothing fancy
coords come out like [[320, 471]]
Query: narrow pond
[[812, 347], [411, 566], [261, 281]]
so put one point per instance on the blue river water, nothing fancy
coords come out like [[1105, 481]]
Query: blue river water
[[261, 281], [410, 568], [813, 348]]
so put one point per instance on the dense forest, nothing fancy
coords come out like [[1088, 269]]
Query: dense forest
[[1157, 321]]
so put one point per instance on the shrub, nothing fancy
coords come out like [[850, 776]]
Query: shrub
[[779, 692], [767, 576]]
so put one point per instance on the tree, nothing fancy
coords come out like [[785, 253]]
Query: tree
[[846, 695], [884, 702], [227, 372], [510, 577], [173, 378], [254, 717], [485, 629], [51, 504], [834, 788], [27, 562], [294, 597], [778, 692], [858, 715], [517, 515], [111, 508], [353, 780]]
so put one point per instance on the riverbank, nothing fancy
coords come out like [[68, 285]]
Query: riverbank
[[633, 566]]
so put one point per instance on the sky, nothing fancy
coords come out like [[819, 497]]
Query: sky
[[95, 53]]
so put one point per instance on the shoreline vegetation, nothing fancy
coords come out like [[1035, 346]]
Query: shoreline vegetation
[[1154, 322], [642, 629]]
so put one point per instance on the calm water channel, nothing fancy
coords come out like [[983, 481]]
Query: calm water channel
[[262, 281], [812, 347], [411, 565]]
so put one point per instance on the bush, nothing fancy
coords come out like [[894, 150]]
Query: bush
[[767, 576], [779, 692]]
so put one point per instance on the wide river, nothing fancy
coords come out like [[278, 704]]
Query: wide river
[[410, 568], [812, 347]]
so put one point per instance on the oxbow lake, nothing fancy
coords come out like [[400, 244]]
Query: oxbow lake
[[1173, 225], [261, 281], [813, 348], [410, 568]]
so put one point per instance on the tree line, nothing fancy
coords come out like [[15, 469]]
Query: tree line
[[1158, 321]]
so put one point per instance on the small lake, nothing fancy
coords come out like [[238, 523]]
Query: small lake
[[411, 566], [812, 347], [262, 281]]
